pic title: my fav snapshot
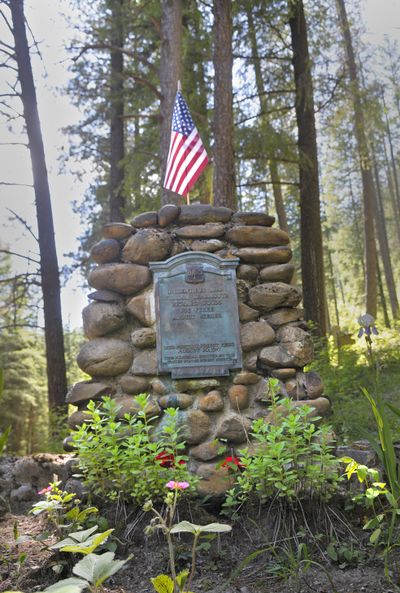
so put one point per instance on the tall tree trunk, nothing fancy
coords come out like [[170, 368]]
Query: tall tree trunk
[[273, 167], [170, 73], [365, 166], [223, 154], [312, 264], [392, 157], [117, 134], [384, 246], [56, 373], [382, 297], [393, 201]]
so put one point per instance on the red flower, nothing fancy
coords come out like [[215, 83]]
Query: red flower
[[231, 461], [168, 459]]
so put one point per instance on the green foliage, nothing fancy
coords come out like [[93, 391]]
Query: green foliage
[[118, 457], [23, 399], [83, 542], [96, 568], [345, 369], [164, 584], [63, 509], [93, 569], [4, 439], [343, 554], [292, 459], [187, 527]]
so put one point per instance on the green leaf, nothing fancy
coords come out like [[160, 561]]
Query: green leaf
[[181, 578], [391, 499], [163, 584], [375, 535], [96, 568], [187, 527], [71, 585], [75, 538], [89, 547], [332, 553]]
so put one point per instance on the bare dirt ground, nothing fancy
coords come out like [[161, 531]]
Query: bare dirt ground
[[268, 572]]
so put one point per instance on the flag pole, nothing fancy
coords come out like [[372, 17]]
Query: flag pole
[[179, 91]]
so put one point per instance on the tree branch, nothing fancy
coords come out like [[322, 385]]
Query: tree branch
[[24, 223], [30, 259]]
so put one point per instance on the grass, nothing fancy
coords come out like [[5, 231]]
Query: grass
[[345, 370]]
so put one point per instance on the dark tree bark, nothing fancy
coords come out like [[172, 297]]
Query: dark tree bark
[[223, 152], [56, 373], [170, 73], [312, 265], [273, 166], [365, 166], [117, 133]]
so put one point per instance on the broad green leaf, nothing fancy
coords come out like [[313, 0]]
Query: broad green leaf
[[184, 527], [187, 527], [215, 528], [332, 553], [375, 535], [181, 578], [96, 568], [163, 584], [391, 499], [75, 538], [71, 585], [88, 546]]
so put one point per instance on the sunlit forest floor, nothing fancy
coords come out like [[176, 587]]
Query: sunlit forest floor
[[348, 369]]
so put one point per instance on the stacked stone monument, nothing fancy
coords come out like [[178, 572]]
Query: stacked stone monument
[[122, 355]]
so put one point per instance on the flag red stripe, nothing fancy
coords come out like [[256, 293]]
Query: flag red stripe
[[183, 158], [177, 141], [187, 158], [189, 169], [195, 175], [177, 153]]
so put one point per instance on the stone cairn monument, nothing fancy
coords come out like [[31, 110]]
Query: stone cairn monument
[[194, 305]]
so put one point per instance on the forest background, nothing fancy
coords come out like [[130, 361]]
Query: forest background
[[104, 67]]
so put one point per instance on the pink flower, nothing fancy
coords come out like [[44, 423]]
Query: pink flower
[[44, 490], [177, 485]]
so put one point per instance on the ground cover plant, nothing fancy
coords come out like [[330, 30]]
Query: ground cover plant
[[120, 458]]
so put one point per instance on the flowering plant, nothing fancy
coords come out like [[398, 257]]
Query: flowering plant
[[233, 463], [168, 460], [62, 508], [179, 583]]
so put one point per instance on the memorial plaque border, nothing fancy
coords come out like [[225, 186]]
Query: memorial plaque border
[[174, 267]]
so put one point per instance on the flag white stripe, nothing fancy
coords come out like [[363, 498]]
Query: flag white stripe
[[193, 171], [178, 155], [175, 138], [185, 167]]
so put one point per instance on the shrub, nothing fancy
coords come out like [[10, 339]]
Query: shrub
[[292, 459], [120, 457]]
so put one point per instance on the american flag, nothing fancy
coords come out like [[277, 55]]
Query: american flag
[[187, 156]]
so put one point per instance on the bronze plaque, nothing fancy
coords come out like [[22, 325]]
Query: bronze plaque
[[197, 315]]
